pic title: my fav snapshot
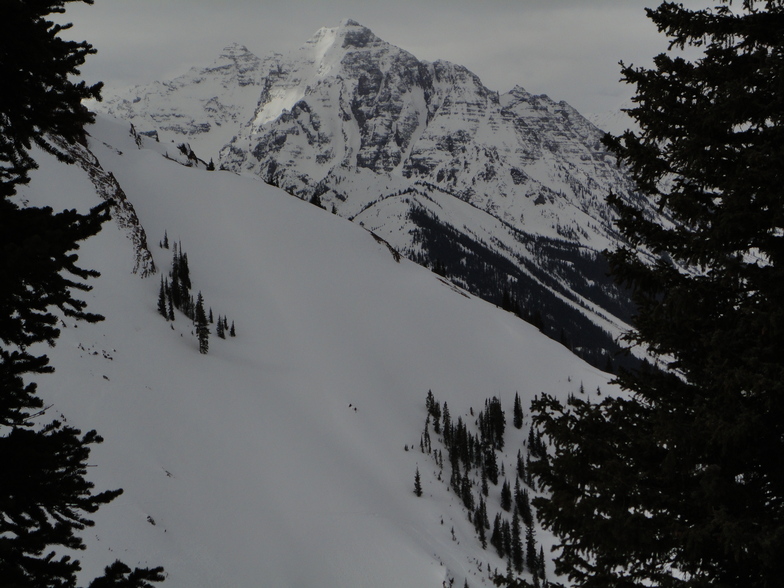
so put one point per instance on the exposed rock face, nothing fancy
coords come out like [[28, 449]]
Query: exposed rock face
[[414, 151], [348, 104], [122, 210]]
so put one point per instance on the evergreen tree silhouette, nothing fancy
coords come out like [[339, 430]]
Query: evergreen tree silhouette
[[45, 498], [687, 462]]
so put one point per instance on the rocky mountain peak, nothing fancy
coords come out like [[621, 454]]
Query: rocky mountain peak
[[519, 92], [234, 51], [331, 44], [237, 60], [356, 35]]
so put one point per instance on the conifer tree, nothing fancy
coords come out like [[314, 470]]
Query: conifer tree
[[233, 333], [45, 499], [517, 543], [119, 575], [185, 271], [447, 424], [465, 491], [430, 402], [37, 97], [417, 483], [219, 330], [480, 522], [530, 548], [202, 326], [517, 412], [496, 537], [506, 496], [434, 410], [492, 423], [491, 466], [520, 466], [176, 290], [162, 300], [679, 483], [506, 532]]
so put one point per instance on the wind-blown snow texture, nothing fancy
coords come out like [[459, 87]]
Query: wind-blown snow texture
[[414, 151], [246, 467]]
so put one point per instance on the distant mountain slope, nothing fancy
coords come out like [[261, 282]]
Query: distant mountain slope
[[279, 458], [401, 146]]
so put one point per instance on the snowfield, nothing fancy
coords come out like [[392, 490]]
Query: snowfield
[[279, 458]]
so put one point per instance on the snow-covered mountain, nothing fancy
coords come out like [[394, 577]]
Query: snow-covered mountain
[[286, 456], [504, 194]]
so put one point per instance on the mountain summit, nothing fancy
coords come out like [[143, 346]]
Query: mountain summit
[[504, 194], [349, 33]]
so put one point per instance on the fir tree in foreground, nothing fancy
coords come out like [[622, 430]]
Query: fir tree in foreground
[[118, 575], [679, 483], [45, 499]]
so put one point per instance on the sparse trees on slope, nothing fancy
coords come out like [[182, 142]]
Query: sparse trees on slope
[[45, 500], [680, 483]]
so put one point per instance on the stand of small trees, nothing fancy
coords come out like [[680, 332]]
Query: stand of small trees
[[175, 293], [473, 462]]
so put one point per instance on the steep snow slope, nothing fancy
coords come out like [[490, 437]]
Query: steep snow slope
[[378, 135], [249, 466]]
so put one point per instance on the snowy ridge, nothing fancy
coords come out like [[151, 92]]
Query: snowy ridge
[[105, 184], [352, 121], [205, 104], [280, 455]]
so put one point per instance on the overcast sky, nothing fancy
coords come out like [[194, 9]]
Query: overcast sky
[[568, 49]]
